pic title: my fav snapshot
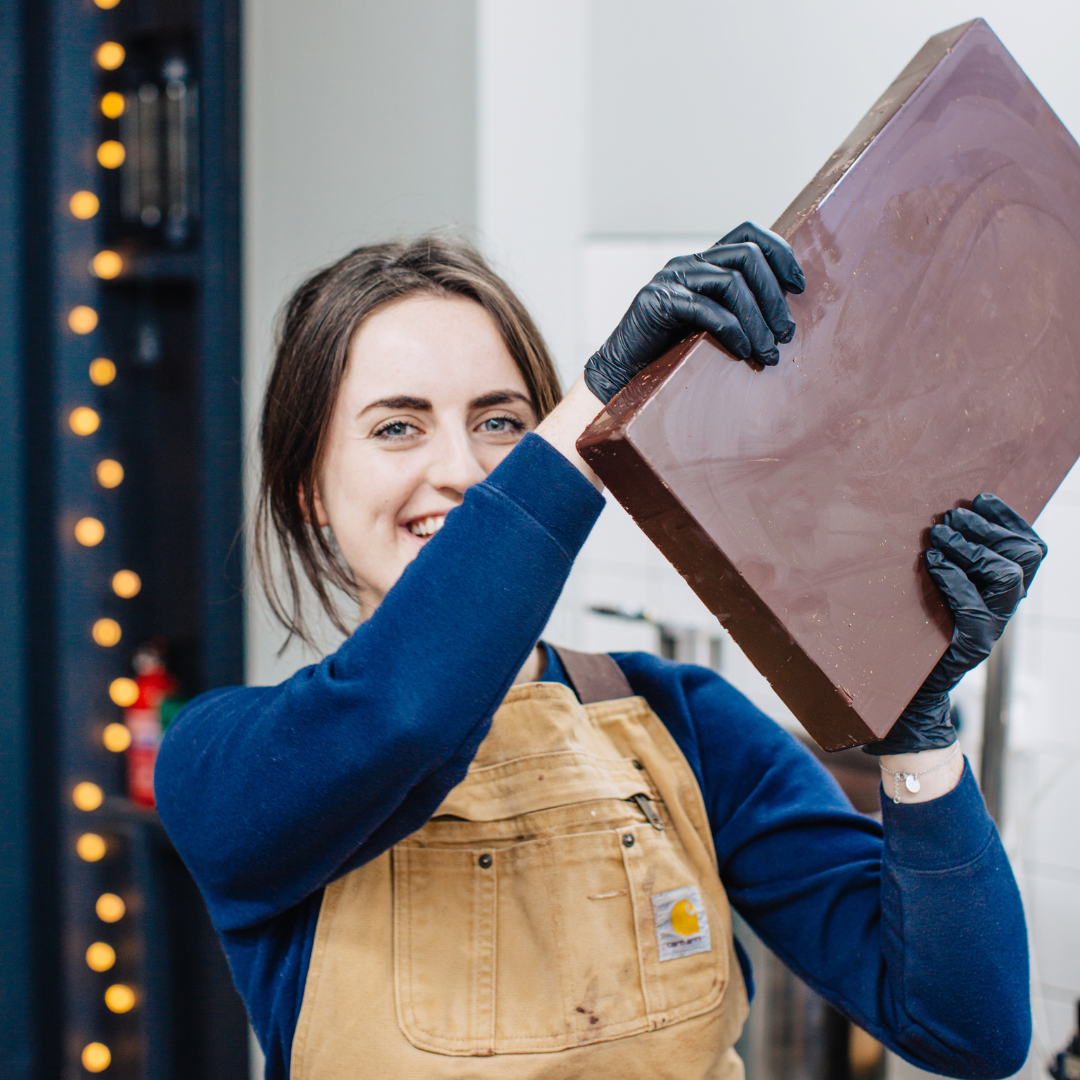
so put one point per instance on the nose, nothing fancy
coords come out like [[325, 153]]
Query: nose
[[454, 465]]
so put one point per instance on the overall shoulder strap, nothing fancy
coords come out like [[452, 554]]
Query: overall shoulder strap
[[593, 676]]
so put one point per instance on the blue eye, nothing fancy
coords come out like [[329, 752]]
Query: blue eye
[[397, 429], [499, 425]]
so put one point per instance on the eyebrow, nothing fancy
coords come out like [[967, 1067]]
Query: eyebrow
[[417, 404], [485, 401], [499, 397]]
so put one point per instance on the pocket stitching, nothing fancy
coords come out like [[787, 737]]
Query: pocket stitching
[[414, 1030]]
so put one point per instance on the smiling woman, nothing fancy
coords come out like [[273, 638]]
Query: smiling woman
[[395, 464]]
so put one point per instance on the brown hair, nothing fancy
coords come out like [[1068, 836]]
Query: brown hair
[[315, 329]]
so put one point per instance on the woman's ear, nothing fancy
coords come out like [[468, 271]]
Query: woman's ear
[[322, 519]]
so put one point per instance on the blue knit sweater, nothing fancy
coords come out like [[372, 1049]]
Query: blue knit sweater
[[914, 929]]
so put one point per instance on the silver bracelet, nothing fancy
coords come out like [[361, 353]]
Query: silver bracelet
[[911, 779]]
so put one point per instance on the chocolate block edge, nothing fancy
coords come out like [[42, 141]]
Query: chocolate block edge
[[607, 446], [872, 124]]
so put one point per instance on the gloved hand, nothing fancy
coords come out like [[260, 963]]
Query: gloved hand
[[735, 291], [983, 561]]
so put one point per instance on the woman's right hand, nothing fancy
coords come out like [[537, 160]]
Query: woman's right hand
[[734, 290]]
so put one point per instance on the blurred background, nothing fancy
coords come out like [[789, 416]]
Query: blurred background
[[169, 171]]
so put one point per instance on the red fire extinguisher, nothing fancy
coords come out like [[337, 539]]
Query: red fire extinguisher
[[143, 719]]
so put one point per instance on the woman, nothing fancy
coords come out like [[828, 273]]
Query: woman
[[428, 856]]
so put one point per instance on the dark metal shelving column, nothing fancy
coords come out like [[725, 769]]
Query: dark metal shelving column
[[221, 479], [18, 1038], [84, 866]]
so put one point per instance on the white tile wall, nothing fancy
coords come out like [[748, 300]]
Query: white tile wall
[[1052, 829], [1042, 827], [1055, 921]]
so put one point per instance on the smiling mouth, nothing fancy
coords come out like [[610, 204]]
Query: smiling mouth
[[425, 527]]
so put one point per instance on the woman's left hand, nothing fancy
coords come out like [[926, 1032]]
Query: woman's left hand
[[983, 561]]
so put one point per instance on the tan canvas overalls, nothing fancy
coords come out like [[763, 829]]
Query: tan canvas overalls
[[560, 916]]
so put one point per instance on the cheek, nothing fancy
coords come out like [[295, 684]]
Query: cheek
[[491, 456], [365, 493]]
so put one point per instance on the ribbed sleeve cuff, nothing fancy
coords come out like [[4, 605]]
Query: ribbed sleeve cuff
[[549, 489], [940, 834]]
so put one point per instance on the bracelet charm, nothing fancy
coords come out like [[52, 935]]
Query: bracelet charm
[[911, 780]]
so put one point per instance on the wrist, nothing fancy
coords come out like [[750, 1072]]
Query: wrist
[[565, 423], [931, 773]]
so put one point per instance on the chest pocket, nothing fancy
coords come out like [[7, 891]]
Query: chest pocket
[[530, 914]]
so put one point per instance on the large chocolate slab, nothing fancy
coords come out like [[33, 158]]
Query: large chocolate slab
[[937, 355]]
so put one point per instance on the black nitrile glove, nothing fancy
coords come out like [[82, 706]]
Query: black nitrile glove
[[983, 561], [735, 291]]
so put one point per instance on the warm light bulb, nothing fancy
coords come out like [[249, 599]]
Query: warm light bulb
[[110, 55], [119, 998], [89, 531], [106, 4], [124, 691], [96, 1057], [107, 265], [113, 105], [102, 371], [84, 205], [90, 847], [87, 796], [82, 319], [100, 957], [110, 908], [116, 737], [126, 584], [111, 154], [106, 633], [84, 421], [109, 473]]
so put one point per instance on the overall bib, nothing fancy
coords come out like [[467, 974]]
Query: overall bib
[[560, 916]]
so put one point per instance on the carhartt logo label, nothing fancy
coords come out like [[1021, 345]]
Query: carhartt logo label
[[682, 927]]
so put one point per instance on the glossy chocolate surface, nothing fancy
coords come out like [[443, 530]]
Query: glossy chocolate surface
[[937, 356]]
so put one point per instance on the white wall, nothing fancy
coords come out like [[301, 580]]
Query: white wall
[[585, 141], [705, 112], [1042, 833]]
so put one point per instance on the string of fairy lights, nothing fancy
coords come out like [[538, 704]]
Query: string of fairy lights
[[84, 421]]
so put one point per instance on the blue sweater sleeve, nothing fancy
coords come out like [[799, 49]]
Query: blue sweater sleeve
[[268, 793], [915, 931]]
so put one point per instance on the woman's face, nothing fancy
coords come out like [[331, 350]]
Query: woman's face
[[431, 401]]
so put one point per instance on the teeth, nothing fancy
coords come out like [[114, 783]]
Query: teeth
[[428, 527]]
